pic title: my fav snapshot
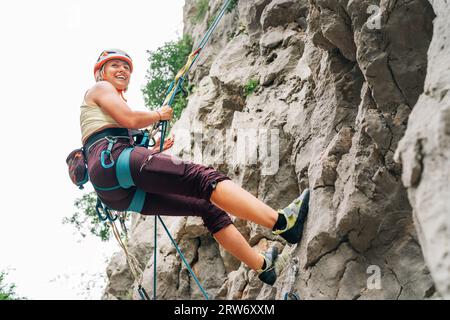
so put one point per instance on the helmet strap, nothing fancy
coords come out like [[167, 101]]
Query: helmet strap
[[121, 94]]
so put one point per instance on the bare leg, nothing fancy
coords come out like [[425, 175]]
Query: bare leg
[[233, 241], [233, 199]]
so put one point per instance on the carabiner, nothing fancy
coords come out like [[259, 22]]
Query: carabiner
[[108, 153], [143, 293], [99, 206], [102, 158], [291, 296], [145, 139], [111, 217]]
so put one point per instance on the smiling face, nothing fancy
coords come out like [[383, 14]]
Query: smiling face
[[117, 72]]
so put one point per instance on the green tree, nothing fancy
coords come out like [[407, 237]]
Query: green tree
[[165, 62], [232, 5], [7, 291], [201, 7], [86, 220]]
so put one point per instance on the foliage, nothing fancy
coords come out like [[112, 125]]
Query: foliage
[[7, 291], [86, 219], [165, 62], [232, 5], [250, 87], [201, 7]]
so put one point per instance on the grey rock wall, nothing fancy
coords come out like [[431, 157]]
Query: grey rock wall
[[337, 83], [424, 153]]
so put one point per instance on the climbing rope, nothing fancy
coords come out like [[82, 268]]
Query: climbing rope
[[176, 87], [290, 294], [291, 272], [184, 260], [133, 262], [107, 216]]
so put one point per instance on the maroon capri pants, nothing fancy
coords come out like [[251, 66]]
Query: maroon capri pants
[[173, 187]]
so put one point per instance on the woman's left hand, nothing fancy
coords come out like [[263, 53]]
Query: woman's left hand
[[168, 143]]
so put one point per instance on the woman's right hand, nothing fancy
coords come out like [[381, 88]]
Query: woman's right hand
[[165, 112]]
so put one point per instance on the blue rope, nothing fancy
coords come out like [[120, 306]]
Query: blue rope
[[202, 44], [211, 29], [184, 259], [164, 125]]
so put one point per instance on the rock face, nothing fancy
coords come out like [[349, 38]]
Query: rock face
[[338, 80], [424, 152]]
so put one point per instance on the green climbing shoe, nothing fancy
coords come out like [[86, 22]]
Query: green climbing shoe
[[275, 263], [295, 214]]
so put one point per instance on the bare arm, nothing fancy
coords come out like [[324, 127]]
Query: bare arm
[[104, 95]]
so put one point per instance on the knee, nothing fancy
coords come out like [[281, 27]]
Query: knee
[[212, 184]]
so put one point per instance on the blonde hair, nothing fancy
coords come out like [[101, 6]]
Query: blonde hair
[[99, 74]]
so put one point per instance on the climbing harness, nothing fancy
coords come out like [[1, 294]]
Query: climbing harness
[[125, 180], [175, 88], [123, 172]]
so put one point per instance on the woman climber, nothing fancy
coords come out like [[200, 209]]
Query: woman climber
[[171, 186]]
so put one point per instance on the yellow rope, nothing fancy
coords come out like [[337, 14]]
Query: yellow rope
[[153, 129], [180, 74], [132, 261]]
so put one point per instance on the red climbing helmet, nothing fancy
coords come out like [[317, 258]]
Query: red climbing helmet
[[111, 54]]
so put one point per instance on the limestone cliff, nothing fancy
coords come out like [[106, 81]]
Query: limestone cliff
[[424, 152], [340, 83]]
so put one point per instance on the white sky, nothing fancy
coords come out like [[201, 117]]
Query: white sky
[[47, 53]]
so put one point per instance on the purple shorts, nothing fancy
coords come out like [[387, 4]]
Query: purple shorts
[[173, 187]]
